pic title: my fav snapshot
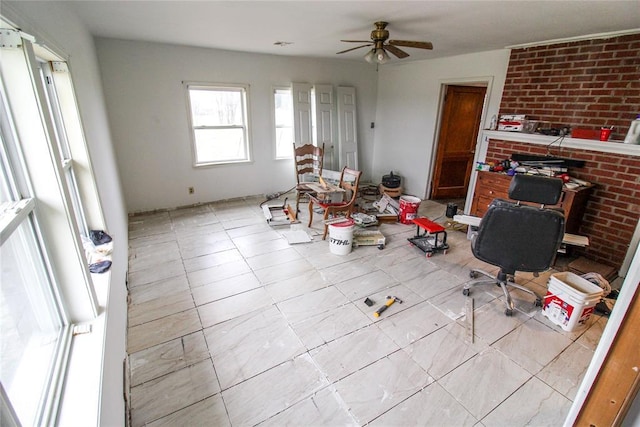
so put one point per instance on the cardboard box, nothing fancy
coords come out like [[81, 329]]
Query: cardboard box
[[512, 123]]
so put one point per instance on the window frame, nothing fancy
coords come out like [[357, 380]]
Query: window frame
[[289, 152], [243, 89], [61, 139], [44, 202], [19, 211]]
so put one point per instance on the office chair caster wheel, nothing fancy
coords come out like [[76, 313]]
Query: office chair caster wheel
[[429, 254], [508, 312], [538, 302], [473, 274], [381, 247], [466, 292]]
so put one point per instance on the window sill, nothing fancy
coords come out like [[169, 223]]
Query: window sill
[[81, 395]]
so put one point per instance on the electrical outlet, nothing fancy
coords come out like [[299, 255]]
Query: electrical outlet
[[191, 190]]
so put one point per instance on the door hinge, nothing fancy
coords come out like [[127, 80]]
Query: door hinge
[[59, 67], [10, 38], [84, 328]]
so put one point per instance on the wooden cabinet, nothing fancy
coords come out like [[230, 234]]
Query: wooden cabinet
[[492, 185]]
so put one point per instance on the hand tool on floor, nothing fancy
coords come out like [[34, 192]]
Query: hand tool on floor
[[390, 300]]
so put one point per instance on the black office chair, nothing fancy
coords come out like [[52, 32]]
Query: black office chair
[[519, 237]]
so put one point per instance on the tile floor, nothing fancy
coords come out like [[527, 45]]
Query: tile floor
[[231, 325]]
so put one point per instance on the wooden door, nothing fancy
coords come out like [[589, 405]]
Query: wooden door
[[457, 139]]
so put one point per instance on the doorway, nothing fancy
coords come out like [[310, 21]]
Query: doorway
[[459, 126]]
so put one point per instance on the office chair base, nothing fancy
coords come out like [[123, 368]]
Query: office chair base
[[503, 280]]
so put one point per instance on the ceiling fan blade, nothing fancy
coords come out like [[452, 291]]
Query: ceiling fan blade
[[356, 41], [354, 48], [407, 43], [396, 51]]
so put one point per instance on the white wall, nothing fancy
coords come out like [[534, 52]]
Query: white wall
[[58, 27], [408, 106], [148, 116]]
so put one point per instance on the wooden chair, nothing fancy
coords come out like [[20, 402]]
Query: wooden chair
[[308, 159], [349, 181]]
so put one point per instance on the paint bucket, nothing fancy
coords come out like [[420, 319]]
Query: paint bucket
[[341, 237], [570, 300], [408, 209]]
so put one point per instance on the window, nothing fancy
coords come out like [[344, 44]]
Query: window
[[219, 124], [62, 142], [35, 330], [45, 284], [283, 120]]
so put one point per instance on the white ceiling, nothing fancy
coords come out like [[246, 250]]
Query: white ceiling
[[315, 28]]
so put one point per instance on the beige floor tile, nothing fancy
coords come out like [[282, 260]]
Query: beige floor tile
[[162, 330], [165, 287], [283, 271], [413, 324], [168, 357], [212, 260], [273, 259], [160, 307], [533, 345], [323, 408], [325, 327], [207, 412], [432, 406], [481, 373], [217, 273], [287, 330], [161, 271], [248, 345], [172, 392], [379, 387], [566, 371], [301, 308], [308, 281], [234, 306], [271, 392], [225, 288], [346, 355], [534, 404], [444, 350]]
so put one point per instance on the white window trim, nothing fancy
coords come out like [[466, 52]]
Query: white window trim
[[81, 357], [188, 85], [274, 133]]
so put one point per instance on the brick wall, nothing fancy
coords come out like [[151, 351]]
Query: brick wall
[[586, 84], [613, 208]]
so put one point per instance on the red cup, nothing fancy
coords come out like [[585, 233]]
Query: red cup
[[605, 133]]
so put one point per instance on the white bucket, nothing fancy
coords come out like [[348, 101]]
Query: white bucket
[[341, 237], [570, 300]]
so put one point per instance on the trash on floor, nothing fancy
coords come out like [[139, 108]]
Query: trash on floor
[[364, 237], [282, 214], [297, 236]]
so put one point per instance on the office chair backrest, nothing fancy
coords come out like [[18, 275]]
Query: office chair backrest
[[535, 189], [519, 237]]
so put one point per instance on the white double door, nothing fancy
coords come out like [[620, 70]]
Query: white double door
[[315, 108]]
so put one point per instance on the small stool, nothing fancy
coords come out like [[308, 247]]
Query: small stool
[[433, 239]]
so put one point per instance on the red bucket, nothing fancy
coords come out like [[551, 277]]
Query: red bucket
[[408, 209]]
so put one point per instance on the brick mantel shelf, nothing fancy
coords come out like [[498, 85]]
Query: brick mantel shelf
[[616, 147]]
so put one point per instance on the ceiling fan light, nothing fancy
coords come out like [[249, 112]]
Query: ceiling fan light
[[381, 56], [370, 56]]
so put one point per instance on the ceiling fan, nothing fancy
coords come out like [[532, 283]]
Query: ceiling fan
[[378, 52]]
